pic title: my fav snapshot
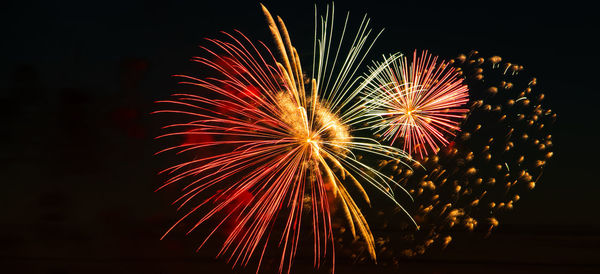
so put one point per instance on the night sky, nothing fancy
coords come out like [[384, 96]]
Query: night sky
[[77, 82]]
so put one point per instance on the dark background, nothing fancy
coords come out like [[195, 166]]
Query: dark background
[[78, 78]]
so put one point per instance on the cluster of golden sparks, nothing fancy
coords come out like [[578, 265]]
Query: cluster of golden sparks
[[501, 153], [271, 144]]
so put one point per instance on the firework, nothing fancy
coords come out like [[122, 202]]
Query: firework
[[421, 101], [500, 154], [280, 141]]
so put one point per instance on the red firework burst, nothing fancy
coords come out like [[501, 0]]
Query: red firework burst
[[421, 102], [280, 144]]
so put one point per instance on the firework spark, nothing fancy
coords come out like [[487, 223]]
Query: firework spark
[[419, 101], [283, 139]]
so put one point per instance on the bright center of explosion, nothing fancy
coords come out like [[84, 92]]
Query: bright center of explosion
[[313, 125]]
